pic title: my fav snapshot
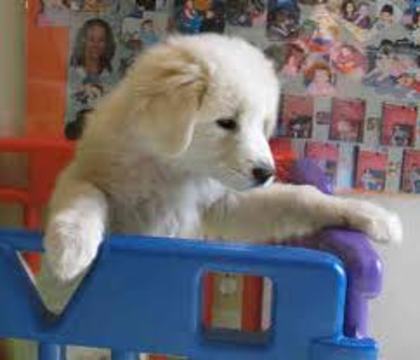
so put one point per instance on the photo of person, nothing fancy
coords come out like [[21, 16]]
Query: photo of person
[[385, 18], [371, 170], [246, 13], [325, 36], [325, 155], [296, 116], [282, 21], [393, 68], [363, 17], [93, 51], [349, 10], [347, 119], [319, 80], [411, 172], [95, 6], [294, 61], [148, 34], [348, 60], [193, 19], [411, 84], [398, 125], [54, 13]]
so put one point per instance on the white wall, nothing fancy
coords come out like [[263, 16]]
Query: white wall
[[396, 314]]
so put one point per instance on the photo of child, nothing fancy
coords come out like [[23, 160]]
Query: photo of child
[[325, 155], [363, 17], [282, 20], [246, 13], [193, 19], [296, 116], [347, 119], [411, 172], [348, 60], [93, 51], [319, 80], [54, 13], [371, 170], [393, 68], [386, 18], [398, 125]]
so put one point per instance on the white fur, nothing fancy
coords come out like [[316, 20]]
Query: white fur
[[153, 160]]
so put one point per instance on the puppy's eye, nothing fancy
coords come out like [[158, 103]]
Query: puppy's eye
[[227, 124]]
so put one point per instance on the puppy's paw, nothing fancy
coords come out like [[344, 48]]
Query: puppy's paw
[[381, 225], [71, 244]]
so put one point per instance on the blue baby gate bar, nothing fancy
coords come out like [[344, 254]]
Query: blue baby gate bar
[[145, 295]]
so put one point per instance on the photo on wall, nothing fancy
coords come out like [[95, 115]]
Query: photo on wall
[[325, 155], [199, 16], [371, 170], [92, 66], [296, 116], [399, 125], [55, 13], [411, 172], [347, 119]]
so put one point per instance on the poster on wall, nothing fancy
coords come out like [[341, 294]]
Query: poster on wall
[[350, 71]]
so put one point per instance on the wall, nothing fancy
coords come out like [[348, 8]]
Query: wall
[[396, 317], [396, 314]]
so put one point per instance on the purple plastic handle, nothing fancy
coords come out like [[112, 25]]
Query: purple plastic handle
[[363, 265]]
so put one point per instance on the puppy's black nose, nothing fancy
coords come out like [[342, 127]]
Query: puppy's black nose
[[262, 174]]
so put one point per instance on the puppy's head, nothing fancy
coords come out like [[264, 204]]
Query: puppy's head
[[209, 103]]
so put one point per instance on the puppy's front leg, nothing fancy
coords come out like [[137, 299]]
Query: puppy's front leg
[[75, 228], [289, 211]]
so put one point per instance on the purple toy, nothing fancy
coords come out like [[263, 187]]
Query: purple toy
[[363, 265]]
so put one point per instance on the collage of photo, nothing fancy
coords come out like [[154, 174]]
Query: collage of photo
[[350, 70]]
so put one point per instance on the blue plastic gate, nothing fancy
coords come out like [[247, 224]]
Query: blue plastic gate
[[145, 295]]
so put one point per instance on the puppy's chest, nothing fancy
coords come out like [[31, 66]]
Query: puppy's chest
[[175, 213]]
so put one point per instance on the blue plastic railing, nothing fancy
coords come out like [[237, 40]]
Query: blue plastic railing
[[145, 295]]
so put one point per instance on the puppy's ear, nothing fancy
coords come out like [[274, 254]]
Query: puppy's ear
[[169, 84]]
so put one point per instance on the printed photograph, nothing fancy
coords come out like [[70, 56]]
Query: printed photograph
[[348, 60], [296, 116], [246, 13], [289, 59], [394, 69], [319, 80], [54, 13], [398, 125], [93, 6], [347, 119], [283, 20], [92, 67], [371, 170], [194, 17], [411, 172], [325, 155]]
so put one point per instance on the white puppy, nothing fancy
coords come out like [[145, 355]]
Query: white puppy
[[179, 149]]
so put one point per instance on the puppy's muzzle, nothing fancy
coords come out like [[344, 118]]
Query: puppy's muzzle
[[263, 174]]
